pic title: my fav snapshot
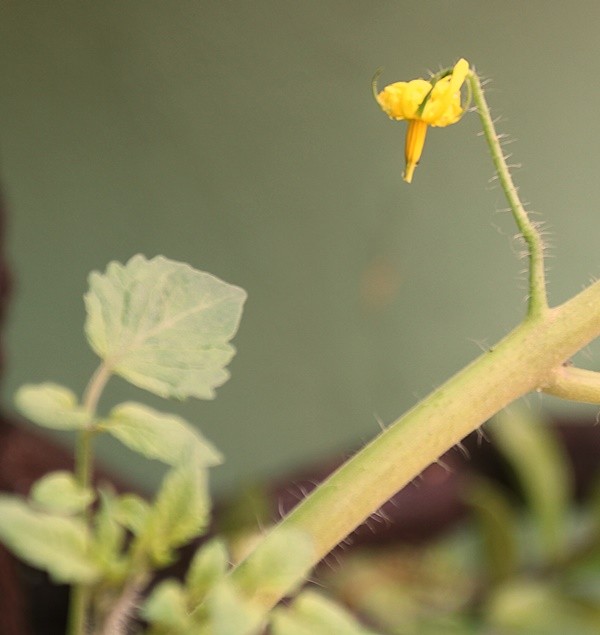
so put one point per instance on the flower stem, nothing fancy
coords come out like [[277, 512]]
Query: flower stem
[[538, 301], [80, 593]]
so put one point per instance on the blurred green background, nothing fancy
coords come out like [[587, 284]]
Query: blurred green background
[[242, 137]]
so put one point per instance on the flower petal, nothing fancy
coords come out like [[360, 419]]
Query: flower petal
[[415, 140], [444, 104], [402, 99]]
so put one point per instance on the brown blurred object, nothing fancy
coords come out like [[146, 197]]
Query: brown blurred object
[[379, 285], [12, 600], [12, 597], [25, 456]]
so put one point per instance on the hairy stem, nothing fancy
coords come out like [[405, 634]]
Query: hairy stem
[[523, 361], [538, 301], [117, 620]]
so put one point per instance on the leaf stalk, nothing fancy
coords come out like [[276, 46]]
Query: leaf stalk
[[79, 602]]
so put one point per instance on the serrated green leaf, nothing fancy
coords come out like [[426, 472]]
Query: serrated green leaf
[[52, 406], [159, 435], [180, 511], [543, 472], [132, 512], [313, 614], [59, 545], [208, 565], [166, 607], [163, 325], [60, 492]]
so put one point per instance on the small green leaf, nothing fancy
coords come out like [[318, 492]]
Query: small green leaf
[[157, 435], [208, 565], [537, 607], [499, 528], [166, 607], [132, 512], [51, 406], [163, 325], [59, 492], [543, 471], [313, 614], [56, 544], [228, 612], [180, 511], [281, 561]]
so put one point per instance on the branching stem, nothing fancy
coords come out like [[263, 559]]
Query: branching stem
[[527, 359]]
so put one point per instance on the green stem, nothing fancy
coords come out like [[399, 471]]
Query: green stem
[[80, 593], [84, 457], [523, 361], [78, 606], [576, 384], [538, 302]]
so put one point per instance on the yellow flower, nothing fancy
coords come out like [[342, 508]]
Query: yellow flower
[[424, 103]]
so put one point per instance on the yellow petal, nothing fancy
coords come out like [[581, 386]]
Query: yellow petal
[[459, 73], [402, 99], [444, 104], [415, 140]]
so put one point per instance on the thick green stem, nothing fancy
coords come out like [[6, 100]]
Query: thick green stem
[[538, 301], [80, 594], [523, 361]]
